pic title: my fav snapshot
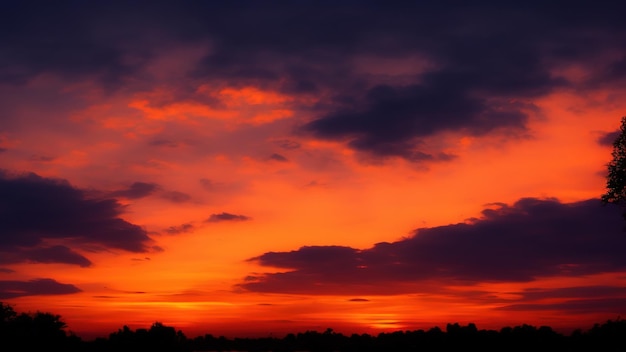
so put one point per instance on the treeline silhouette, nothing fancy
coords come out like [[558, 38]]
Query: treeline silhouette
[[46, 332]]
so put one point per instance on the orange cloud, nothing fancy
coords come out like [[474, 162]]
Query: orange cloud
[[242, 105], [180, 111], [234, 97]]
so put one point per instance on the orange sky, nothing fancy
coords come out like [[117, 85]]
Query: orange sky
[[242, 174]]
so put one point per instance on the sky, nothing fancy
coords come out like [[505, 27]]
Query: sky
[[251, 168]]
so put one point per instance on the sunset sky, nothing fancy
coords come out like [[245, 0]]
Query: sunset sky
[[248, 168]]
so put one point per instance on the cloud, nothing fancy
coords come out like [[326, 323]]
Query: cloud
[[13, 289], [136, 190], [38, 211], [358, 300], [54, 254], [509, 243], [175, 230], [226, 217], [384, 78], [143, 189], [389, 121], [278, 157], [608, 138], [576, 299], [600, 305], [90, 49]]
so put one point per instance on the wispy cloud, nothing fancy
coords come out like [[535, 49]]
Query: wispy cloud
[[227, 217]]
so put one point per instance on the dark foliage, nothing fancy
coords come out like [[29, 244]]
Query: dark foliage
[[45, 332], [35, 332], [616, 178]]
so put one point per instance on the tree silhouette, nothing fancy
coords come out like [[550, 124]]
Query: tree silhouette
[[34, 331], [45, 332], [6, 313], [616, 178]]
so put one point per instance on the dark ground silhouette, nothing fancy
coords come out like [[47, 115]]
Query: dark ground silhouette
[[46, 332]]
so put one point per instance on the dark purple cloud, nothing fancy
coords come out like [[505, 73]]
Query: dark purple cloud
[[475, 66], [578, 299], [608, 138], [136, 190], [595, 292], [164, 143], [509, 243], [615, 306], [55, 254], [13, 289], [226, 217], [389, 121], [35, 210], [278, 157], [75, 43], [143, 189]]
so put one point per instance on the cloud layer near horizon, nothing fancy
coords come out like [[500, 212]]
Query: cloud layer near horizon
[[13, 289], [530, 239]]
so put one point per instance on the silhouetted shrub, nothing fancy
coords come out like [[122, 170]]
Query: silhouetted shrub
[[46, 332]]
